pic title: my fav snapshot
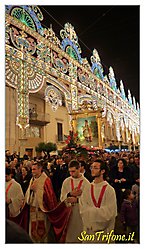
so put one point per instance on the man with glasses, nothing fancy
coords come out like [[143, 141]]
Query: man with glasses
[[72, 189], [98, 205]]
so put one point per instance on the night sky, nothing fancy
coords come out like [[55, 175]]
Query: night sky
[[112, 30]]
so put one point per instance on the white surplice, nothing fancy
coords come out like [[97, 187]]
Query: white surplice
[[16, 195], [75, 226], [95, 218]]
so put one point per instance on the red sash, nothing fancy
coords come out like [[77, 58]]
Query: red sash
[[7, 189], [78, 187], [100, 196]]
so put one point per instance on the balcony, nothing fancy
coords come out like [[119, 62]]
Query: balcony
[[39, 118]]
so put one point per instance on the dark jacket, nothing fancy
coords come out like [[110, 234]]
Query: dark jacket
[[24, 182], [115, 174], [129, 213], [59, 175]]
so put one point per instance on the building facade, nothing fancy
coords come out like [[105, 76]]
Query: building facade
[[51, 89]]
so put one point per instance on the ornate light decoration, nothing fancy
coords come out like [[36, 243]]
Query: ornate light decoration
[[12, 66], [72, 71], [61, 64], [29, 15], [122, 90], [86, 64], [112, 79], [109, 118], [53, 97], [106, 80], [97, 68], [117, 122], [103, 131], [70, 42], [23, 98], [49, 34], [35, 79], [74, 94], [134, 103], [122, 124], [129, 98], [40, 57]]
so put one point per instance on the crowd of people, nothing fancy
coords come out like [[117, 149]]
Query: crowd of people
[[70, 198]]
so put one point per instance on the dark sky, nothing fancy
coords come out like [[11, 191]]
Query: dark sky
[[112, 30]]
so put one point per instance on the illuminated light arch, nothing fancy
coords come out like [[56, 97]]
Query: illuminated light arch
[[59, 85], [55, 83]]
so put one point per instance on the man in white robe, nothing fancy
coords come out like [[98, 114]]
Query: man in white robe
[[14, 196], [71, 191], [98, 206], [41, 198]]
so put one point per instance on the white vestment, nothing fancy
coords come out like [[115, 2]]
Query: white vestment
[[15, 193], [98, 218], [75, 226], [38, 213]]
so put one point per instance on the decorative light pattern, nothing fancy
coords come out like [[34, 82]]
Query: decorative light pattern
[[72, 71], [118, 131], [138, 108], [23, 17], [122, 90], [74, 97], [51, 37], [109, 118], [30, 16], [83, 98], [70, 42], [33, 59], [106, 80], [22, 98], [112, 79], [103, 131], [122, 124], [53, 97], [12, 66], [35, 80], [97, 68], [129, 98], [86, 64], [60, 64], [21, 41], [134, 103]]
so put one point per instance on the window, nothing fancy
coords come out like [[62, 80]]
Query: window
[[59, 132]]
